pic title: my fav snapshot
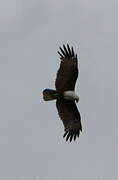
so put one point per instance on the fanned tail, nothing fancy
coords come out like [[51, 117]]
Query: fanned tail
[[49, 94]]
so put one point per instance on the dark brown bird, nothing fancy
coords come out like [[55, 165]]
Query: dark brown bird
[[65, 95]]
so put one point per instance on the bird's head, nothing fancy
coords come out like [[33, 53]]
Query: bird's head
[[71, 95]]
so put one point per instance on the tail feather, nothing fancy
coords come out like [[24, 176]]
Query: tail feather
[[49, 94]]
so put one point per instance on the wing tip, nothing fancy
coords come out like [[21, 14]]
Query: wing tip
[[67, 52], [72, 135]]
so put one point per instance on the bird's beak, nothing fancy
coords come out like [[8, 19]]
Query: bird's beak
[[77, 100]]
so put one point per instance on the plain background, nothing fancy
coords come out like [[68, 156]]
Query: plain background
[[31, 142]]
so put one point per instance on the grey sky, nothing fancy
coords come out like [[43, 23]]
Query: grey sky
[[31, 143]]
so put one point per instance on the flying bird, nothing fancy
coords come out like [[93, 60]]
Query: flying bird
[[65, 95]]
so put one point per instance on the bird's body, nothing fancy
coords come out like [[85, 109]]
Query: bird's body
[[50, 94], [65, 95]]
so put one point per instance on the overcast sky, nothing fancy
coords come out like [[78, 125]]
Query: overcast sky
[[31, 142]]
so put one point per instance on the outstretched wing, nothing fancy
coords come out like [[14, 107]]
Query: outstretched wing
[[68, 71], [71, 118]]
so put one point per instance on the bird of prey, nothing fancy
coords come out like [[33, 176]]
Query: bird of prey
[[65, 95]]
